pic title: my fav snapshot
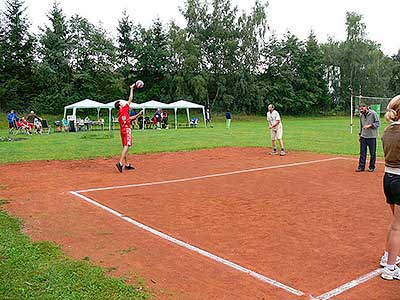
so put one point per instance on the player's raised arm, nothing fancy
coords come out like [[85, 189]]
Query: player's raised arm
[[131, 94]]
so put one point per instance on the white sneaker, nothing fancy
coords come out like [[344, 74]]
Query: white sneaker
[[390, 275], [274, 153], [384, 259], [282, 153]]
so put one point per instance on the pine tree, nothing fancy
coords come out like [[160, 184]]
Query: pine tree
[[16, 83], [54, 71]]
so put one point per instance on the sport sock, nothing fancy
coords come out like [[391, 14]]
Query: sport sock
[[390, 267]]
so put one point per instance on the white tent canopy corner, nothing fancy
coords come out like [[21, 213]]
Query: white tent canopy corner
[[183, 104], [86, 103]]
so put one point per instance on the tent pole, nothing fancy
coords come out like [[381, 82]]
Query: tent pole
[[176, 118], [204, 118], [144, 114], [188, 115], [109, 119]]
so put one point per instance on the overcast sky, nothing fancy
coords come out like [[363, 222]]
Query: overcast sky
[[325, 18]]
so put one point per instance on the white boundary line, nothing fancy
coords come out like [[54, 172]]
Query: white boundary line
[[350, 285], [325, 296], [192, 248], [381, 162], [210, 176]]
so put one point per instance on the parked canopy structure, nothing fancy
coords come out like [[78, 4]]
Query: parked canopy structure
[[152, 104]]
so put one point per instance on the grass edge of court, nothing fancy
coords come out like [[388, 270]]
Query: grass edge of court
[[40, 270]]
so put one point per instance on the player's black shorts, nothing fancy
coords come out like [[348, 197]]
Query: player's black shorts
[[391, 186]]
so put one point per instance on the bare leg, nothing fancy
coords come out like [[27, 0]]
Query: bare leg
[[124, 154], [126, 157], [393, 245], [281, 143], [274, 144], [388, 233]]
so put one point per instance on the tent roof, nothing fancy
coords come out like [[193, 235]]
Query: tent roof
[[186, 104], [155, 104], [87, 103]]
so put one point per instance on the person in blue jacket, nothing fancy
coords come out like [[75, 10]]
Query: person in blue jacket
[[12, 118]]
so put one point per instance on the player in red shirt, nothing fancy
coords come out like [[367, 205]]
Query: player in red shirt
[[125, 129]]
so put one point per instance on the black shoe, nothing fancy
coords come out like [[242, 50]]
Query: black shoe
[[371, 169], [359, 170], [119, 167], [129, 167]]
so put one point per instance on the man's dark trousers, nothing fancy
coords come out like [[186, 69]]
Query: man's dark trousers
[[371, 144]]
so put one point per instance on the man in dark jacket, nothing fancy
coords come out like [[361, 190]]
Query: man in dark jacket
[[369, 124]]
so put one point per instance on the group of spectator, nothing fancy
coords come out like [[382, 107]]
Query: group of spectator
[[158, 121], [30, 124]]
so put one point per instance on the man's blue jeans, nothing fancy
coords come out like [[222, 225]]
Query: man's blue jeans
[[364, 144]]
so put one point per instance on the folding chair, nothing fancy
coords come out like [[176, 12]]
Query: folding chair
[[45, 127], [18, 129], [194, 122]]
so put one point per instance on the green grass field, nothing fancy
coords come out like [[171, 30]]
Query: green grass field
[[321, 135], [39, 270]]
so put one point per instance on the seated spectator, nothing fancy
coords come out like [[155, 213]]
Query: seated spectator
[[101, 123], [140, 122], [66, 124], [88, 123], [12, 119], [80, 123], [147, 122], [38, 125], [194, 122], [27, 127], [164, 120]]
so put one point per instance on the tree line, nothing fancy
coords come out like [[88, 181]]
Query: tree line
[[222, 58]]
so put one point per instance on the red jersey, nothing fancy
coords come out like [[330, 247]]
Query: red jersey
[[123, 118]]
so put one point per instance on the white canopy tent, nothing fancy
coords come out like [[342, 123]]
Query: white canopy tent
[[183, 104], [87, 103], [152, 104]]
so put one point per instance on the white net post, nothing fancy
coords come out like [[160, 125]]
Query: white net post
[[351, 113]]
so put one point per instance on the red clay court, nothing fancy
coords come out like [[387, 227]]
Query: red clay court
[[227, 223]]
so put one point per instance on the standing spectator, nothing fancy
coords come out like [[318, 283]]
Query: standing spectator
[[157, 119], [12, 119], [391, 187], [31, 117], [228, 118], [275, 125], [369, 123], [34, 120], [208, 118]]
